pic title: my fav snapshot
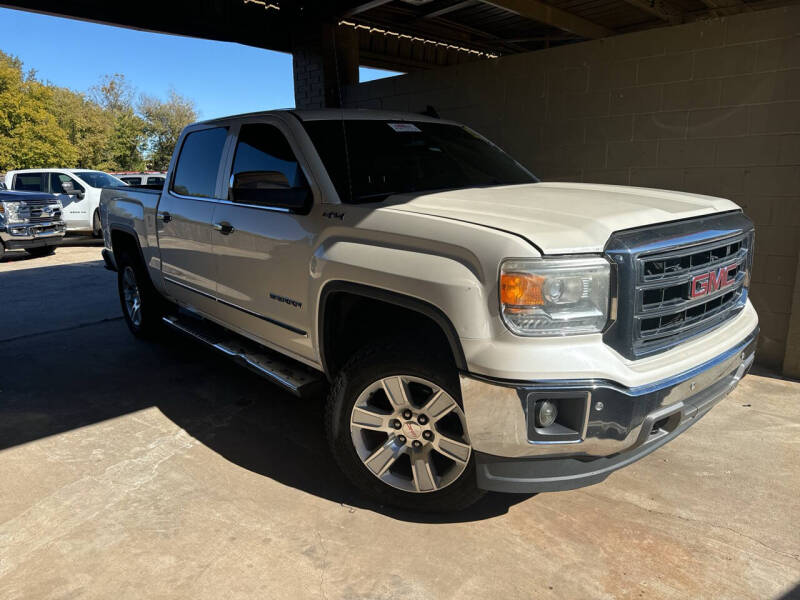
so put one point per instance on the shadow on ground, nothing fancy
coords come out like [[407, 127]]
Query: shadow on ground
[[73, 378]]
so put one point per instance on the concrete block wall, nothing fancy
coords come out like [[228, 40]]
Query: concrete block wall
[[710, 107], [308, 73]]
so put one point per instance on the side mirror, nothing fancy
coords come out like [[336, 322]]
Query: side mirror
[[70, 190], [260, 180], [269, 188]]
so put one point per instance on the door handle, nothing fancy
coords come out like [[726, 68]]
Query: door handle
[[224, 228], [166, 217]]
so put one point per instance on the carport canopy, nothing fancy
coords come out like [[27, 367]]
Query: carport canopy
[[331, 39]]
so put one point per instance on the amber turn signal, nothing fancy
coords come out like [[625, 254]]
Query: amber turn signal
[[521, 289]]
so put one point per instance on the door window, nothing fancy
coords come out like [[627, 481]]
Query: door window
[[29, 182], [155, 181], [266, 171], [196, 172], [56, 179]]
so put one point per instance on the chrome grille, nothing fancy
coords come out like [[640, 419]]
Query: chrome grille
[[659, 267], [664, 304], [39, 202], [36, 213]]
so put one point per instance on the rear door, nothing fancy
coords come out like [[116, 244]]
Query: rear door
[[263, 237], [184, 217], [30, 182]]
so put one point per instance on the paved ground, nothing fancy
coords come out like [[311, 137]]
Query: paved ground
[[136, 470]]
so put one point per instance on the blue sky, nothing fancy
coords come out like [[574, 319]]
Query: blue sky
[[222, 78]]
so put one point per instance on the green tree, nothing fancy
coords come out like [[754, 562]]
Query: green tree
[[164, 121], [30, 135], [88, 127], [128, 138]]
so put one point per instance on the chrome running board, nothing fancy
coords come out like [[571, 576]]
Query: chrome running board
[[289, 374]]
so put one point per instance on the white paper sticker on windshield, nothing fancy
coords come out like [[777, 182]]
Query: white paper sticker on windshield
[[404, 127]]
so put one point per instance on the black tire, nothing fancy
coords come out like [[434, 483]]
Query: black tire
[[97, 228], [368, 366], [40, 251], [152, 306], [2, 250]]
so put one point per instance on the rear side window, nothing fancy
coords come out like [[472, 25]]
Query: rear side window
[[29, 182], [196, 172], [132, 180], [155, 181]]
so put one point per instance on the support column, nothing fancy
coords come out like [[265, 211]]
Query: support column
[[325, 60], [791, 359]]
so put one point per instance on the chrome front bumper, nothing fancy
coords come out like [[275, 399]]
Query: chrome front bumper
[[26, 235], [608, 426]]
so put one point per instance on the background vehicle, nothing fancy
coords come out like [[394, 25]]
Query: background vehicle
[[77, 189], [31, 222], [143, 178], [480, 330]]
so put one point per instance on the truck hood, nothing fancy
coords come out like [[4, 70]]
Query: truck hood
[[17, 196], [561, 218]]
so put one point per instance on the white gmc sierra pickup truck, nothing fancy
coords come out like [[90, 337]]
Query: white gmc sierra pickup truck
[[479, 329]]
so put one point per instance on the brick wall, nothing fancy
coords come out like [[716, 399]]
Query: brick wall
[[710, 107]]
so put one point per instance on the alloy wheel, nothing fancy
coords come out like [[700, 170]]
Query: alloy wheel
[[133, 299], [410, 433]]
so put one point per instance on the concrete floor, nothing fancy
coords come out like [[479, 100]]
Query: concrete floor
[[159, 470]]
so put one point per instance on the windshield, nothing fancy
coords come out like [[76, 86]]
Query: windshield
[[394, 157], [98, 179]]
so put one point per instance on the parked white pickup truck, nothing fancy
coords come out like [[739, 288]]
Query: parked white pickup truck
[[480, 330], [77, 189]]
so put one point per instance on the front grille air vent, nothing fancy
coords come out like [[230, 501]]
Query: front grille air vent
[[678, 280]]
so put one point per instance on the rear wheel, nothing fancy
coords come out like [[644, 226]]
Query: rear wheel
[[398, 431], [142, 306], [41, 251], [2, 250]]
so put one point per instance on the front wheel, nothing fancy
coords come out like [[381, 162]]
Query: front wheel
[[399, 433]]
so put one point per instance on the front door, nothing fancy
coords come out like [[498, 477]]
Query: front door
[[183, 220], [263, 240], [75, 212]]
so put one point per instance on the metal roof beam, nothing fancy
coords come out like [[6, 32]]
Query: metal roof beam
[[542, 12], [448, 9], [661, 9], [721, 8], [364, 7]]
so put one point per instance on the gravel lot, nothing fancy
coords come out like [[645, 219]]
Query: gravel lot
[[159, 470]]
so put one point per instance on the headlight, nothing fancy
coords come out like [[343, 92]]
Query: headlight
[[560, 296], [12, 212]]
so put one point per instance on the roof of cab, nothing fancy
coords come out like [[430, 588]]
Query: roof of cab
[[336, 114], [53, 170]]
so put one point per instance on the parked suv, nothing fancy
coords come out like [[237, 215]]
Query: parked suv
[[77, 189], [30, 222], [479, 329]]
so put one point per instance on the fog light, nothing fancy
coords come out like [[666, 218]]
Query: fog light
[[546, 413]]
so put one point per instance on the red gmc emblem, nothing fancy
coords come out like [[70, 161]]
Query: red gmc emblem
[[711, 282]]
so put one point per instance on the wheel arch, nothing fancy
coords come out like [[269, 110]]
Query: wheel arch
[[334, 292], [125, 238]]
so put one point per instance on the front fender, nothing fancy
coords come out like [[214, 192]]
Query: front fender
[[447, 283]]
